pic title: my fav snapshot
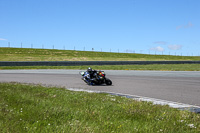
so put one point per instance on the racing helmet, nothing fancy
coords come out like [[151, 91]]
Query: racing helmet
[[89, 69]]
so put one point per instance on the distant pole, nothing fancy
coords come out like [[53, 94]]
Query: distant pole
[[118, 50], [53, 46], [21, 44], [31, 45], [110, 50], [74, 48], [9, 44], [63, 47], [84, 49]]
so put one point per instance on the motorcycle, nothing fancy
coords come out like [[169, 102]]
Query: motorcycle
[[99, 78]]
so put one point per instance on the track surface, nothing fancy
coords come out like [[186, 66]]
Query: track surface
[[182, 87]]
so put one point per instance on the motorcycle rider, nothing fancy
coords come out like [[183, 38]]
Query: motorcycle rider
[[92, 75]]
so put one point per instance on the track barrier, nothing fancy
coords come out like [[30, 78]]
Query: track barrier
[[81, 63]]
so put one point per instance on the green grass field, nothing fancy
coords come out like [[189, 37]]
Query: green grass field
[[31, 108], [25, 54]]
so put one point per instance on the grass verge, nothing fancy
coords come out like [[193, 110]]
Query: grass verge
[[158, 67], [31, 108]]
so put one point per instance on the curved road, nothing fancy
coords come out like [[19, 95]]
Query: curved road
[[179, 86]]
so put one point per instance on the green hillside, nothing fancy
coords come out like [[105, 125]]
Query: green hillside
[[26, 54]]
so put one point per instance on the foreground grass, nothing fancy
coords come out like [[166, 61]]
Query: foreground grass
[[26, 54], [158, 67], [28, 108]]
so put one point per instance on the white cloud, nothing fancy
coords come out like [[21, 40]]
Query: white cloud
[[159, 49], [175, 47], [189, 25], [2, 39]]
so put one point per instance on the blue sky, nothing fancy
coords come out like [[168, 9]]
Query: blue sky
[[140, 26]]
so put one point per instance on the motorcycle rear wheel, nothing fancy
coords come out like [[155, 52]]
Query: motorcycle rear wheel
[[108, 82]]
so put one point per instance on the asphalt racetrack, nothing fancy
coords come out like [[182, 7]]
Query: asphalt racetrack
[[178, 86]]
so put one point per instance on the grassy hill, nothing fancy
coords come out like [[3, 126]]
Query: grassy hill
[[27, 54]]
